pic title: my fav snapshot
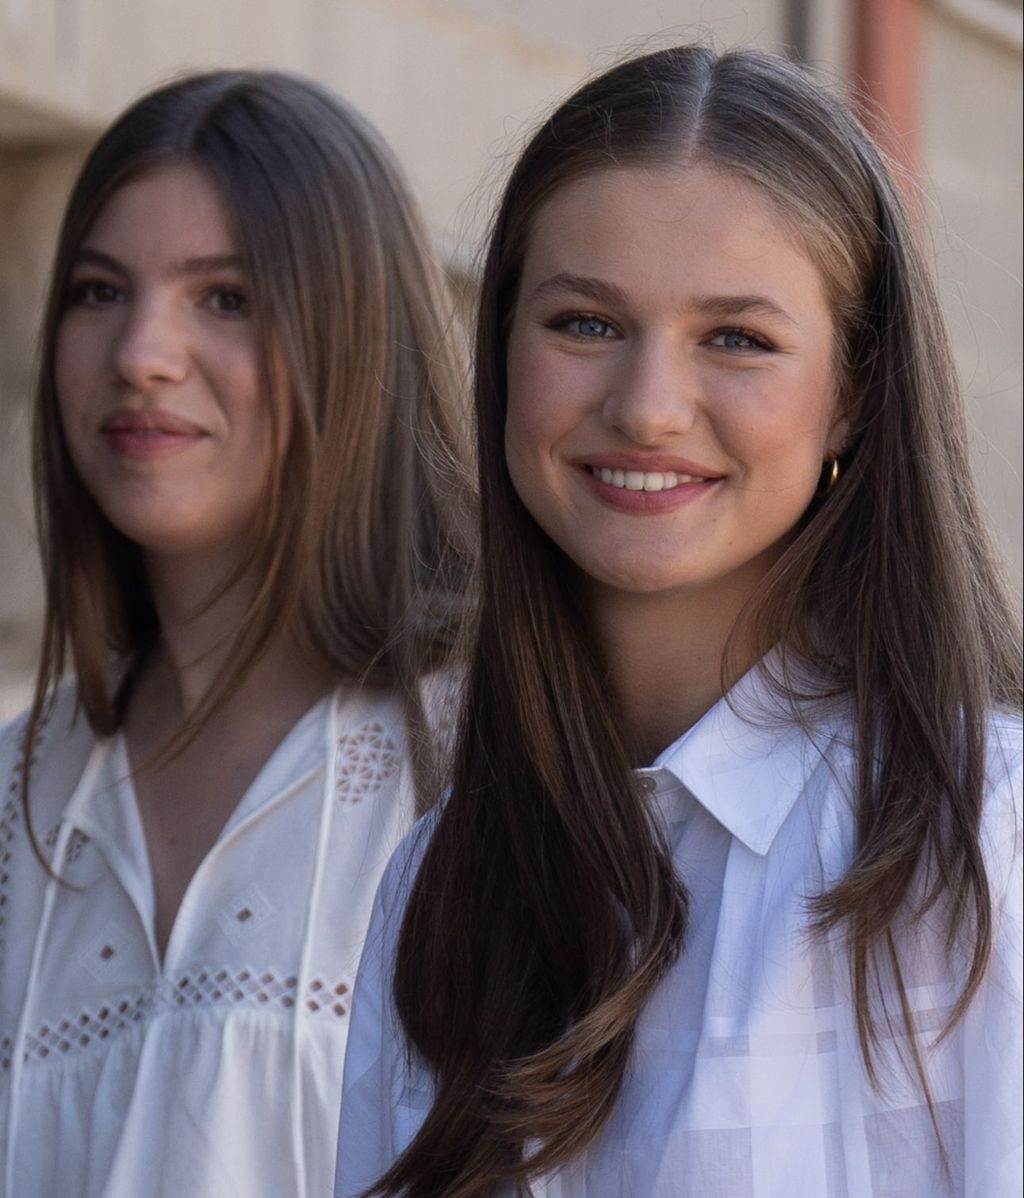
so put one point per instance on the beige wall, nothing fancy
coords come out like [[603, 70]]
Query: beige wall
[[455, 85], [972, 153]]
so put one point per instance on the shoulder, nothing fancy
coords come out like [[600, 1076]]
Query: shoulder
[[60, 749], [1001, 823], [1004, 747], [59, 719], [387, 707], [400, 874]]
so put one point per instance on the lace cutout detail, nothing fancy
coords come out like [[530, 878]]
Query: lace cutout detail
[[245, 914], [73, 850], [10, 818], [367, 757], [97, 1025], [209, 986]]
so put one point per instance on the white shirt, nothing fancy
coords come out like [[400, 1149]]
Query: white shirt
[[746, 1080], [216, 1073]]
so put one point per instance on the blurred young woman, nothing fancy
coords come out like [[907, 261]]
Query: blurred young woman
[[249, 496], [725, 897]]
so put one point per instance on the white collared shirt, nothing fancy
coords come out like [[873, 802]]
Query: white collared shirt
[[746, 1079], [215, 1073]]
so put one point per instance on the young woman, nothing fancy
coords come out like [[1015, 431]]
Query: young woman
[[724, 900], [248, 491]]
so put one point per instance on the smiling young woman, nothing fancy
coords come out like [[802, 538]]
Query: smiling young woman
[[725, 897], [253, 512]]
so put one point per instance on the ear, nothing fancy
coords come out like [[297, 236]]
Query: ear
[[838, 438], [844, 420]]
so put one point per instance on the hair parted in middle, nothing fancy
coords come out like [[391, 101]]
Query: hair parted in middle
[[366, 528], [546, 908]]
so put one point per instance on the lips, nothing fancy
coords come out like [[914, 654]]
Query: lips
[[648, 463], [148, 434]]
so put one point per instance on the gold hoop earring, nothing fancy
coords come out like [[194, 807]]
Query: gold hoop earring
[[829, 476]]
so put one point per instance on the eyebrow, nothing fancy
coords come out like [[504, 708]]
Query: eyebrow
[[604, 292], [741, 305], [595, 289], [200, 265]]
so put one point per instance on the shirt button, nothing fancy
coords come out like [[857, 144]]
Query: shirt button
[[648, 784]]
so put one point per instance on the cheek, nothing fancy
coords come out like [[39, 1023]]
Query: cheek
[[786, 422], [543, 402], [72, 367], [76, 361], [233, 381]]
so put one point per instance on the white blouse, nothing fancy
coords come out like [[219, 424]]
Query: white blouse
[[217, 1072], [746, 1080]]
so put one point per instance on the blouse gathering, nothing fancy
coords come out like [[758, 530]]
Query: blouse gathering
[[217, 1071], [746, 1079]]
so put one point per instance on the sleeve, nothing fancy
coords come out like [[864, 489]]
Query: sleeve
[[992, 1030], [384, 1093]]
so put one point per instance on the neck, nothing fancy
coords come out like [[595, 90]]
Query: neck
[[196, 634], [665, 654], [198, 638]]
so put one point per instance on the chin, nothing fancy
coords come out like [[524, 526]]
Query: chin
[[171, 536], [640, 579]]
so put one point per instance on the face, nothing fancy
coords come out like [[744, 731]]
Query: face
[[670, 397], [157, 371]]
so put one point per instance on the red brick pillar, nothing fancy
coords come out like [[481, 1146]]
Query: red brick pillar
[[887, 46]]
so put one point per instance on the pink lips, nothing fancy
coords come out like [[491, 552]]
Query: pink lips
[[148, 434], [642, 502]]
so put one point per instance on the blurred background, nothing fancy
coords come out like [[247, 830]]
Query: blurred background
[[455, 86]]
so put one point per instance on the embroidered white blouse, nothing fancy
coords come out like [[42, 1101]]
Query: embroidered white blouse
[[746, 1080], [216, 1073]]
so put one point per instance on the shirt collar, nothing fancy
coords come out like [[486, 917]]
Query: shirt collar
[[746, 761]]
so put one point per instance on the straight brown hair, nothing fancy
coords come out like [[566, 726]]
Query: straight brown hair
[[546, 908], [364, 535]]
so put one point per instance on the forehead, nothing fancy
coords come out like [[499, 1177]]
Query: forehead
[[175, 209], [671, 230]]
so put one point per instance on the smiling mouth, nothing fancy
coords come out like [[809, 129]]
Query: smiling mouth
[[643, 480]]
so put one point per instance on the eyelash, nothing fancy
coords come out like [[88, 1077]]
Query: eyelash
[[757, 343], [83, 292], [79, 293], [570, 318], [236, 293]]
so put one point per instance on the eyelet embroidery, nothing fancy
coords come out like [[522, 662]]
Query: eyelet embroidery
[[102, 950], [367, 757], [11, 818], [205, 987], [248, 911], [76, 843]]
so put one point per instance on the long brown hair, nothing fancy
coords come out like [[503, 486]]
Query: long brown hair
[[362, 538], [546, 907]]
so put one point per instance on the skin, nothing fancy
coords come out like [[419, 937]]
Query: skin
[[668, 320], [159, 393]]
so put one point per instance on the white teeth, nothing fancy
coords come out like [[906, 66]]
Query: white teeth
[[643, 480]]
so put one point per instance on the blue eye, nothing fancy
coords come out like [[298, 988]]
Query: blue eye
[[592, 326], [738, 339], [584, 326]]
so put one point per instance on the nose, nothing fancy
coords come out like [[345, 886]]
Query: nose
[[152, 346], [655, 395]]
